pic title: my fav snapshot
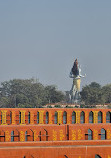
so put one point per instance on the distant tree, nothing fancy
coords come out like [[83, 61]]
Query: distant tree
[[92, 94], [106, 91], [67, 99], [57, 106], [21, 91], [49, 106], [4, 102], [67, 106], [28, 93], [53, 95]]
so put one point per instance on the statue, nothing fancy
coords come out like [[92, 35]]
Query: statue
[[74, 95]]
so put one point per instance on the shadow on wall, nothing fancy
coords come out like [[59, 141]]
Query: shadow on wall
[[97, 156]]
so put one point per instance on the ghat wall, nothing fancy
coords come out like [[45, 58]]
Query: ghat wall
[[55, 133], [24, 116], [69, 149]]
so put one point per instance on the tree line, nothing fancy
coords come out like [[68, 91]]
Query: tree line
[[28, 93], [33, 94], [94, 93]]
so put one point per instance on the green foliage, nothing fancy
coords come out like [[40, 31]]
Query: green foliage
[[67, 106], [106, 90], [49, 106], [109, 106], [95, 94], [4, 102], [57, 106], [24, 106], [91, 94], [28, 93], [52, 95]]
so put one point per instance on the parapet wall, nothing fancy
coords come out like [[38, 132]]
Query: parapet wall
[[20, 116]]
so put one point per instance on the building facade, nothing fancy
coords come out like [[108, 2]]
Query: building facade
[[55, 133]]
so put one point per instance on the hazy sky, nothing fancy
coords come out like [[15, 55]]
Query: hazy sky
[[42, 38]]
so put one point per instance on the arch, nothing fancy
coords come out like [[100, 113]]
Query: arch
[[19, 117], [10, 117], [37, 117], [12, 136], [28, 155], [91, 117], [40, 136], [100, 117], [82, 117], [73, 117], [97, 156], [2, 136], [64, 117], [15, 135], [43, 135], [29, 135], [62, 156], [90, 134], [47, 117], [56, 117], [103, 134], [108, 117], [25, 135], [28, 117], [46, 134]]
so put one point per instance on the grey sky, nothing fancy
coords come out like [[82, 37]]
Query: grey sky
[[41, 39]]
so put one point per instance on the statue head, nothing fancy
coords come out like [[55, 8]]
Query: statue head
[[75, 68]]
